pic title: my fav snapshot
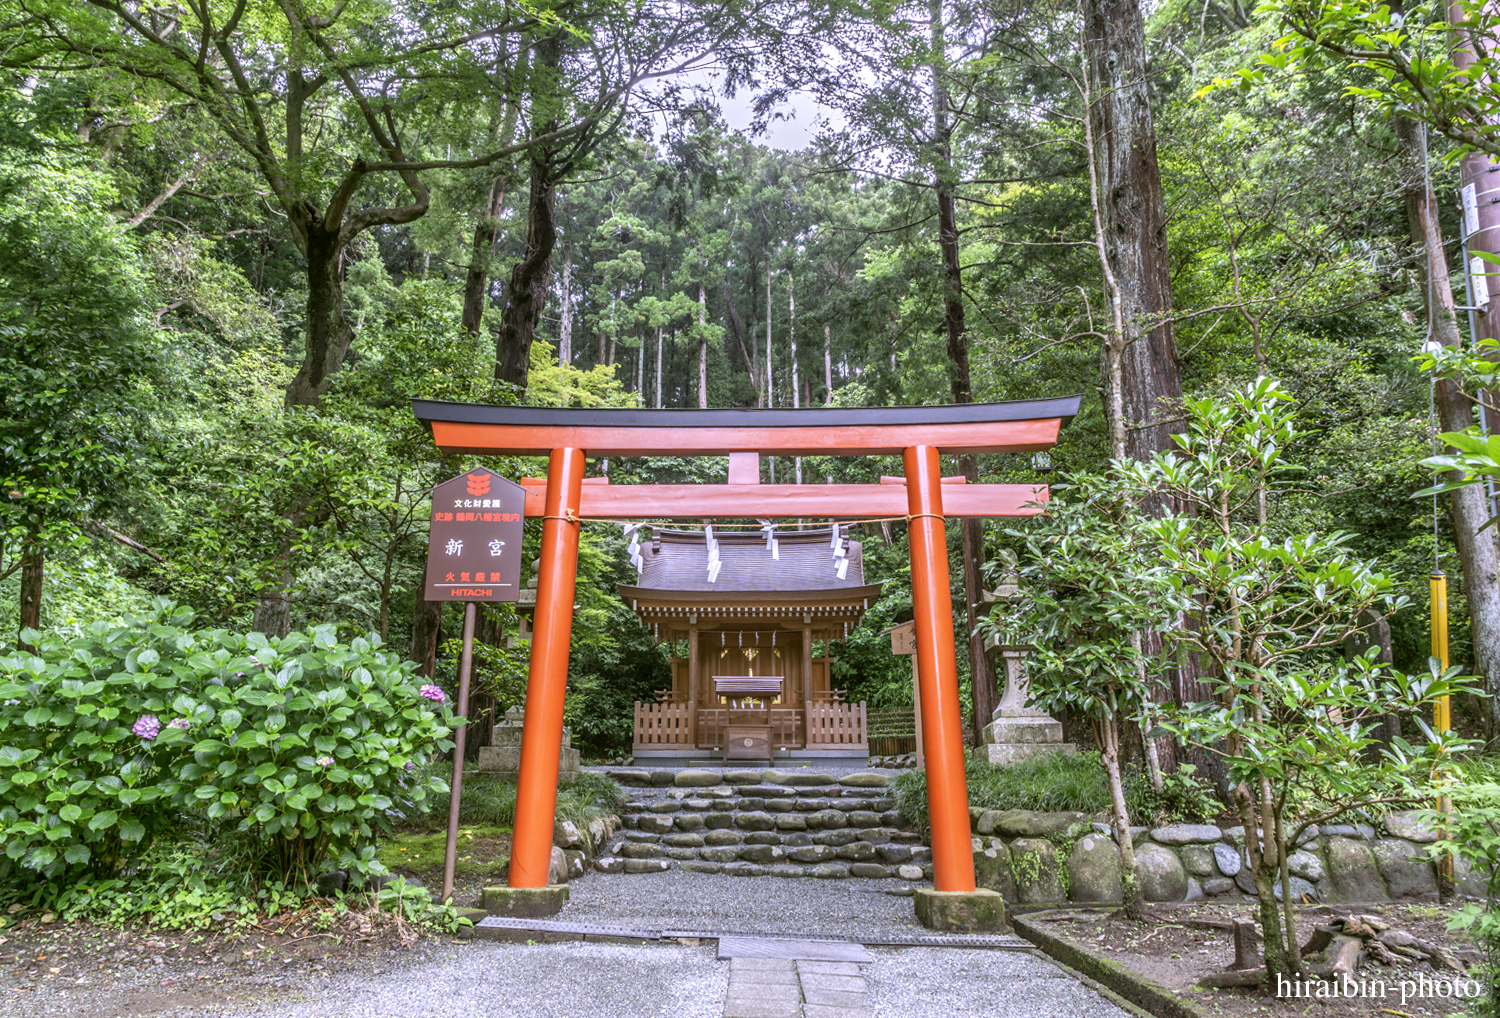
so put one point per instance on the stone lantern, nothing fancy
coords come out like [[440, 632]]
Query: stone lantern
[[1017, 730]]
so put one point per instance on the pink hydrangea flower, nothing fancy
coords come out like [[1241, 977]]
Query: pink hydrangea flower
[[146, 726], [325, 761], [183, 723], [433, 693]]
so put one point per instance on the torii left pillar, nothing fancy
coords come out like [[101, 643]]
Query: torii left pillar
[[546, 687]]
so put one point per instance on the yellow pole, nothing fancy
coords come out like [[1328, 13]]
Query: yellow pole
[[1439, 586], [1441, 717]]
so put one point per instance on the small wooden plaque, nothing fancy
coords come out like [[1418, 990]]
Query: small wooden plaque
[[747, 742], [904, 638]]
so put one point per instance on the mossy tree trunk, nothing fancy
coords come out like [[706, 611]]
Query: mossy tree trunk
[[1132, 901]]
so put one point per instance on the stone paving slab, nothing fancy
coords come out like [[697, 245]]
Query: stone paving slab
[[763, 975], [835, 1011], [831, 968], [763, 988], [837, 984], [767, 947], [833, 998], [760, 1009]]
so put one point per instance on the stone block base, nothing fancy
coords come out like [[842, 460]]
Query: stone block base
[[1010, 740], [525, 902], [505, 760], [981, 911], [1003, 754]]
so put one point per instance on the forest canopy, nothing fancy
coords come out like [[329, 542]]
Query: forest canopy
[[238, 237]]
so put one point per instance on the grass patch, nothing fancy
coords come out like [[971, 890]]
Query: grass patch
[[1048, 783], [1054, 783], [487, 800], [482, 851]]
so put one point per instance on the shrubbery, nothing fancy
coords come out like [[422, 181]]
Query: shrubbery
[[111, 738], [1054, 783]]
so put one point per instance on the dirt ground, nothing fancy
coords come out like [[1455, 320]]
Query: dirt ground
[[98, 972], [1181, 945]]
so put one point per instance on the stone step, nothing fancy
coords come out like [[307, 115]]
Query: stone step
[[733, 836], [769, 864], [642, 777], [760, 820], [774, 804], [876, 852]]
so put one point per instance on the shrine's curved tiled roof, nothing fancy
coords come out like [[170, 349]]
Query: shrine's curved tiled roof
[[675, 560]]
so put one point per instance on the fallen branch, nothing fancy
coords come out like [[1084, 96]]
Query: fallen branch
[[129, 542]]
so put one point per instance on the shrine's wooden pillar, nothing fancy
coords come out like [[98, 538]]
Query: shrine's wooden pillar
[[547, 680], [937, 674]]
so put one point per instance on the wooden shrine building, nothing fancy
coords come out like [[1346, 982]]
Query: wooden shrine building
[[751, 684]]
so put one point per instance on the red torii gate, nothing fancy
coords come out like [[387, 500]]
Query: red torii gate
[[917, 434]]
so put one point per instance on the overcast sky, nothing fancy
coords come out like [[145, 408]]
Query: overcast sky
[[795, 132]]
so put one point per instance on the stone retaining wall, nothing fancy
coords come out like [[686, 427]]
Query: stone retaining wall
[[1033, 858]]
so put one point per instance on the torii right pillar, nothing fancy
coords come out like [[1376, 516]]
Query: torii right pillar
[[953, 903]]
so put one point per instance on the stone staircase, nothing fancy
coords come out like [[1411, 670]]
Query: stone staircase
[[758, 823]]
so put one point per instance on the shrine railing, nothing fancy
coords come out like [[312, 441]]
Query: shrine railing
[[664, 724], [785, 722], [836, 724]]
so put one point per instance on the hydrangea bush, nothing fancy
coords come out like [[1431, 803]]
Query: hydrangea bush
[[304, 744]]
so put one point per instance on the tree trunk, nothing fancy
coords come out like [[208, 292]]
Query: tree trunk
[[702, 347], [1469, 505], [481, 253], [33, 573], [1476, 168], [1143, 378], [791, 335], [565, 313], [273, 608], [770, 374], [328, 333], [791, 338], [827, 363], [530, 278], [1132, 897], [985, 697], [658, 367], [426, 623], [1124, 140]]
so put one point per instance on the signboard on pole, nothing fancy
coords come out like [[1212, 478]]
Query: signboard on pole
[[474, 544], [904, 644], [903, 638]]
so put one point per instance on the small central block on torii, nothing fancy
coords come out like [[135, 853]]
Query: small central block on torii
[[919, 435]]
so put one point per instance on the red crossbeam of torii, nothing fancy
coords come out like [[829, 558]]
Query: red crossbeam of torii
[[919, 435]]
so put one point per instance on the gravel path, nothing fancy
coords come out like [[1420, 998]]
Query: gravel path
[[442, 978], [714, 903], [931, 982], [606, 981], [484, 980]]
